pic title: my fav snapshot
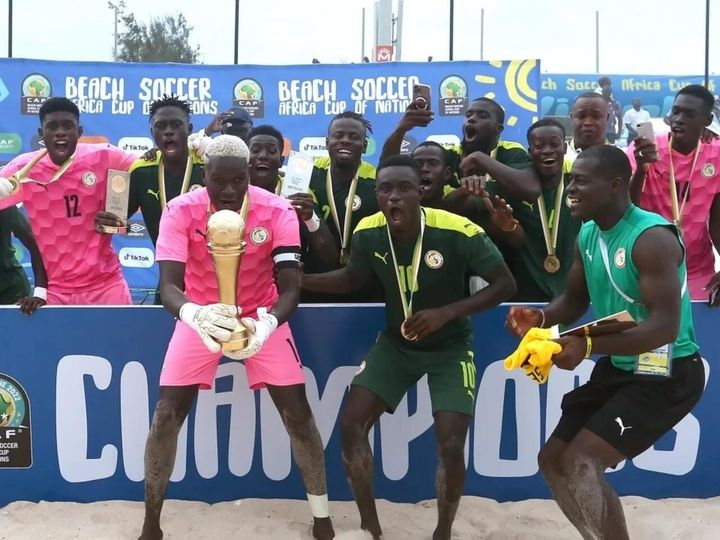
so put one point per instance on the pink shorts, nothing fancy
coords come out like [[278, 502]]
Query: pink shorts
[[109, 293], [188, 362]]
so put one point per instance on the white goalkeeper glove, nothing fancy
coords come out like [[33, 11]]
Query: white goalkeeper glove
[[6, 188], [259, 331], [214, 323], [198, 143]]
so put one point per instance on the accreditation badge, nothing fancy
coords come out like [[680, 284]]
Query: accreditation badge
[[656, 362]]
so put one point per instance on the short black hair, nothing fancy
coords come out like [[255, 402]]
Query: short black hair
[[604, 81], [588, 95], [170, 101], [545, 122], [59, 104], [402, 160], [353, 116], [613, 161], [272, 131], [499, 111], [699, 91], [433, 144]]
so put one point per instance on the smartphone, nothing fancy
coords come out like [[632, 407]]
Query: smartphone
[[713, 295], [645, 130], [421, 95]]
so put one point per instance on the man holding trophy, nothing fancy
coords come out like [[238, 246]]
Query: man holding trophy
[[63, 187], [233, 221]]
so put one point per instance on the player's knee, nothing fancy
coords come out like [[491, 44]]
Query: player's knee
[[575, 466], [351, 432], [168, 417]]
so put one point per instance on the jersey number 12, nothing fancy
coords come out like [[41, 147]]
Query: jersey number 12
[[71, 205]]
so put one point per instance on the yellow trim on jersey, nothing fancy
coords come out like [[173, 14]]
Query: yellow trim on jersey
[[139, 163], [505, 145], [438, 219], [366, 171]]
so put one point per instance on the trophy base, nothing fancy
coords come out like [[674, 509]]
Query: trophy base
[[107, 229], [238, 340]]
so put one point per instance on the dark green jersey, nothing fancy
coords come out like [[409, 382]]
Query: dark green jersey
[[364, 204], [508, 153], [13, 280], [145, 193], [534, 283], [453, 247]]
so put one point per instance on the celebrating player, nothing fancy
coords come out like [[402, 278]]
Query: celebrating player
[[189, 291], [63, 188], [422, 257]]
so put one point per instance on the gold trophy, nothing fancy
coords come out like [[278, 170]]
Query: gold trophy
[[225, 233]]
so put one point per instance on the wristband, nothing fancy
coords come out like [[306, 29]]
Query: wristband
[[319, 505], [588, 348], [41, 293], [313, 224]]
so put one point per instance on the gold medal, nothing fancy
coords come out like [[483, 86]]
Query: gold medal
[[344, 257], [551, 264]]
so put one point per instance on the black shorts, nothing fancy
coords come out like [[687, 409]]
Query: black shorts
[[631, 411]]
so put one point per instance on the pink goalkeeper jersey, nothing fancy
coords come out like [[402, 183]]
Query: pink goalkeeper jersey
[[62, 214], [704, 186], [272, 235]]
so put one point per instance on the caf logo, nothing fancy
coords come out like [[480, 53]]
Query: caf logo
[[434, 259], [708, 170], [259, 235], [620, 257], [15, 430], [356, 203], [89, 179]]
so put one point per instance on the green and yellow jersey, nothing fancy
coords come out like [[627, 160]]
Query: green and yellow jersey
[[453, 247], [508, 153], [145, 190]]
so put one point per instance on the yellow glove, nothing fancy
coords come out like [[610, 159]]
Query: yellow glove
[[534, 354]]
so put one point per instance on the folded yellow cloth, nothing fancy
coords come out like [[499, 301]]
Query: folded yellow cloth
[[534, 354]]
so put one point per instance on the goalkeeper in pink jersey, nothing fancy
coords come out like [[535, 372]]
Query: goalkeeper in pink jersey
[[62, 188], [188, 288]]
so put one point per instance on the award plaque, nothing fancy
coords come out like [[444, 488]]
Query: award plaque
[[116, 200]]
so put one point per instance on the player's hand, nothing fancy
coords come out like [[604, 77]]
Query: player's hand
[[303, 205], [522, 319], [573, 352], [475, 163], [415, 117], [214, 323], [645, 151], [474, 184], [713, 284], [29, 305], [150, 155], [215, 125], [425, 322], [198, 143], [6, 188], [259, 331], [107, 219], [501, 213]]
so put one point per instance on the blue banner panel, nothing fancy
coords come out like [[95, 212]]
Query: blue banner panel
[[83, 381]]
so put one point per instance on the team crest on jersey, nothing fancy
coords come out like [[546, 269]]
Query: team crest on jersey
[[89, 179], [194, 187], [620, 258], [434, 259], [259, 235], [708, 170], [357, 203]]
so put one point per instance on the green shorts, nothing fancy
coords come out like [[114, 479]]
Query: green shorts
[[389, 369]]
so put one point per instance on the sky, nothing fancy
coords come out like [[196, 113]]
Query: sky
[[561, 33]]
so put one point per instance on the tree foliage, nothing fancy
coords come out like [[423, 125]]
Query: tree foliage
[[163, 39]]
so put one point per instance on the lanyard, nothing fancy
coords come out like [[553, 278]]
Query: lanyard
[[278, 186], [345, 231], [417, 253], [677, 211], [20, 177], [161, 180], [554, 227]]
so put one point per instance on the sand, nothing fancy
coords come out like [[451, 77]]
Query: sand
[[251, 519]]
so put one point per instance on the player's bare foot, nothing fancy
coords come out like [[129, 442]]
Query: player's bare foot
[[151, 533], [323, 529], [374, 530]]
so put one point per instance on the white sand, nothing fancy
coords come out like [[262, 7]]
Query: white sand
[[682, 519]]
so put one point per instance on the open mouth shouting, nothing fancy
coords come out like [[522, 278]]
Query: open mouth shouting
[[170, 148]]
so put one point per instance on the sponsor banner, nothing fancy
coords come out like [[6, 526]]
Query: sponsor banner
[[93, 379], [656, 92]]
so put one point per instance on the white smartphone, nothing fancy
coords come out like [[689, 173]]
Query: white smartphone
[[645, 130]]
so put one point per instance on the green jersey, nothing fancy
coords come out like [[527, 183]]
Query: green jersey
[[145, 191], [508, 153], [535, 284], [453, 247], [605, 297], [14, 283]]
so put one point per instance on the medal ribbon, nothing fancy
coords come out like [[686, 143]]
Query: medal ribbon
[[417, 255], [345, 232], [21, 176], [161, 179], [554, 227], [677, 211]]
